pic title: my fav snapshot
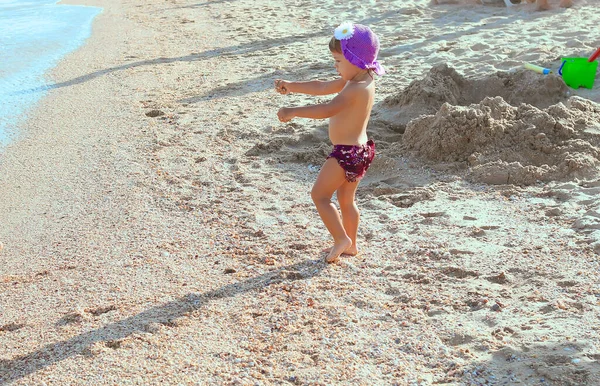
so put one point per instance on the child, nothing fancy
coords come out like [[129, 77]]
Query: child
[[354, 48]]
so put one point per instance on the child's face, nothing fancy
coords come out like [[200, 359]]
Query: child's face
[[344, 68]]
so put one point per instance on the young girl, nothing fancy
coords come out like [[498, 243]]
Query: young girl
[[354, 48]]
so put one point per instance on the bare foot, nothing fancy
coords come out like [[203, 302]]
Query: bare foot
[[566, 3], [337, 249], [352, 251]]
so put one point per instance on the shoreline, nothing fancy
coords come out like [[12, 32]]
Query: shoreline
[[158, 227], [38, 131], [31, 93]]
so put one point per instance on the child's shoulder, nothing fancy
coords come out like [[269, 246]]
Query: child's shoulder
[[358, 88]]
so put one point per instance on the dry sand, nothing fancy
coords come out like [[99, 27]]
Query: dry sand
[[157, 226]]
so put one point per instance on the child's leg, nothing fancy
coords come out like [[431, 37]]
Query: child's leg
[[330, 178], [350, 214], [566, 3], [543, 5]]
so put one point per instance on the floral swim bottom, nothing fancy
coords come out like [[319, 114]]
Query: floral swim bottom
[[355, 160]]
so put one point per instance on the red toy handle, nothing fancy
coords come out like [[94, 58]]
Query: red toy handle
[[594, 55]]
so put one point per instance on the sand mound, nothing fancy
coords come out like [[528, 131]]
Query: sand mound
[[515, 145], [444, 85]]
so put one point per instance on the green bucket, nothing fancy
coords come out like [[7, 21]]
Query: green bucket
[[578, 72]]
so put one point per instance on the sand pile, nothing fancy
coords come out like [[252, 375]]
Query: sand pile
[[509, 127], [443, 84], [512, 145]]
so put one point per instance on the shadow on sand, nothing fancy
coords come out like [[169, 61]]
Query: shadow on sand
[[239, 49], [566, 363], [19, 367]]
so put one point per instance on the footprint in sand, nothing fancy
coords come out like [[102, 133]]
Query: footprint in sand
[[10, 327], [480, 47], [101, 310], [71, 318], [458, 339], [459, 273], [154, 113], [114, 344], [416, 278], [432, 214], [501, 278]]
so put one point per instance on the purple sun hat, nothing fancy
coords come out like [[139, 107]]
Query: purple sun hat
[[360, 46]]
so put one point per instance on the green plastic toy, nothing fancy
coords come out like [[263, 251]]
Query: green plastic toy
[[579, 72]]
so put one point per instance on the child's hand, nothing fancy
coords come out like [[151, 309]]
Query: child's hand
[[281, 87], [285, 114]]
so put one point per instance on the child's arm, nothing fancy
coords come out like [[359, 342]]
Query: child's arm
[[320, 111], [313, 87]]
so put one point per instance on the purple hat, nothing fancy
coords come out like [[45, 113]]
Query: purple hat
[[359, 46]]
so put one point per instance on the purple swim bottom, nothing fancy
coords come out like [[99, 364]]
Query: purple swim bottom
[[355, 160]]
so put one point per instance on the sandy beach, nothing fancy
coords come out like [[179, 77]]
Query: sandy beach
[[156, 224]]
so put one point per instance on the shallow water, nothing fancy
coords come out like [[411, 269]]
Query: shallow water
[[34, 36]]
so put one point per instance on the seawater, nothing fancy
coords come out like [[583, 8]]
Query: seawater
[[34, 36]]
